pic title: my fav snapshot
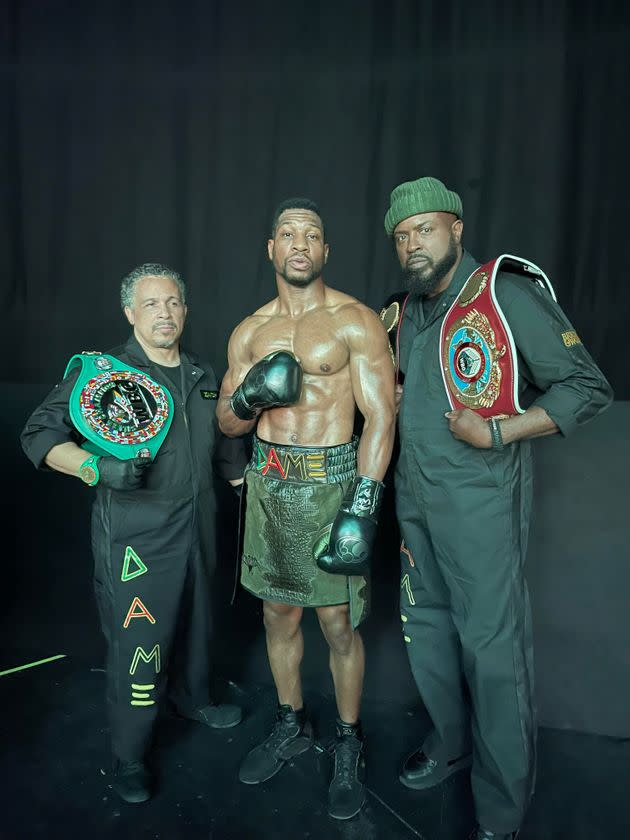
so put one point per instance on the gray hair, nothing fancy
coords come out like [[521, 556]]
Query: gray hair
[[130, 282]]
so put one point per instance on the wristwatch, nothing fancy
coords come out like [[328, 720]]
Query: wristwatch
[[495, 432], [88, 471]]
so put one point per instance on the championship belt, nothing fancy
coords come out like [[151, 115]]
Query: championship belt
[[392, 315], [119, 410], [478, 356]]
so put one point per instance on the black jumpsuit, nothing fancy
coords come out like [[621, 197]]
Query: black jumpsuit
[[154, 550], [464, 518]]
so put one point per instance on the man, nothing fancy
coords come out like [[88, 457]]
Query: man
[[470, 339], [298, 368], [472, 342], [152, 529]]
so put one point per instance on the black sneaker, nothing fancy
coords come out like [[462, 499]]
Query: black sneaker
[[483, 834], [291, 735], [218, 715], [132, 781], [347, 793]]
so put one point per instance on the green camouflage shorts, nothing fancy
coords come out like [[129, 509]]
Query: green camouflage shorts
[[293, 495]]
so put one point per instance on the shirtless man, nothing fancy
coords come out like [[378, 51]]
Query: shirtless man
[[298, 369]]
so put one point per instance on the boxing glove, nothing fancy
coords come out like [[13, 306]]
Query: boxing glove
[[346, 547], [276, 380]]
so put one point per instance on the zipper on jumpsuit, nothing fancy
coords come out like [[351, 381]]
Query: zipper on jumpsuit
[[190, 454]]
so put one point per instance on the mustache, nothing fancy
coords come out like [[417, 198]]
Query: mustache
[[164, 324], [420, 258]]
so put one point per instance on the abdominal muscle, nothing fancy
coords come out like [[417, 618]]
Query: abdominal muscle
[[324, 416]]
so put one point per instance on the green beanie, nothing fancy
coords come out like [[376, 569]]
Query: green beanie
[[426, 195]]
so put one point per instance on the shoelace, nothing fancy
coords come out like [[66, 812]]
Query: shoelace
[[346, 760], [280, 732]]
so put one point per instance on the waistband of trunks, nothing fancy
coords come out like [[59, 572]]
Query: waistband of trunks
[[305, 464]]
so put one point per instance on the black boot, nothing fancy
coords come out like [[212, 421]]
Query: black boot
[[421, 772], [217, 715], [132, 781], [346, 793], [483, 834], [291, 735]]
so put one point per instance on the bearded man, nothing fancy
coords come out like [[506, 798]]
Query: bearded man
[[486, 360]]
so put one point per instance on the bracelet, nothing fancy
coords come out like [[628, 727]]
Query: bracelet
[[497, 437], [88, 471]]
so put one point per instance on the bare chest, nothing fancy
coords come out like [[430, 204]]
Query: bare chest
[[313, 338]]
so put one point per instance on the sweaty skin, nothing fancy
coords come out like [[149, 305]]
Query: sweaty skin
[[344, 352], [340, 343]]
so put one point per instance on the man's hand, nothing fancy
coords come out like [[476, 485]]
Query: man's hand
[[470, 427], [346, 548], [122, 475], [276, 380]]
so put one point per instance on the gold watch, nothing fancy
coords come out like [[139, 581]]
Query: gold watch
[[88, 471]]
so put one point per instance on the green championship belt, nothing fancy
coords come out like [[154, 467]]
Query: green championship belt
[[119, 410]]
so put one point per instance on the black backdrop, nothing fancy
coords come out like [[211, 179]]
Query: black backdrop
[[168, 131]]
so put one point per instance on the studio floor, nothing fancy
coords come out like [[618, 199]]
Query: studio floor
[[56, 775]]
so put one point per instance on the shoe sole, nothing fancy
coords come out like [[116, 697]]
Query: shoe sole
[[207, 723], [432, 781], [347, 816], [223, 725], [136, 800]]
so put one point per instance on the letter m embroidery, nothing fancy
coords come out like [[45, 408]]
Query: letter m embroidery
[[141, 654]]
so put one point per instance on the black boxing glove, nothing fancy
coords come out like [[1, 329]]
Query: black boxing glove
[[122, 475], [346, 547], [275, 380]]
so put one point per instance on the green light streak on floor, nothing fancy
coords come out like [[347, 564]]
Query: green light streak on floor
[[32, 664]]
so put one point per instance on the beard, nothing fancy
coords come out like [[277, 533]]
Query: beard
[[165, 341], [420, 282], [300, 279]]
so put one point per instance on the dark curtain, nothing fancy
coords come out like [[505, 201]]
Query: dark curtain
[[168, 131]]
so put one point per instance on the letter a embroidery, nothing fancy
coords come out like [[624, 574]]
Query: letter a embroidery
[[143, 612]]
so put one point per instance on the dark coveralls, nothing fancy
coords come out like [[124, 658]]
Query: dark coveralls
[[464, 518], [154, 550]]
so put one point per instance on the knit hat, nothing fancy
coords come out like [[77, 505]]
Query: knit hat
[[426, 195]]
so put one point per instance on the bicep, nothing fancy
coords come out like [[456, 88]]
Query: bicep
[[371, 369], [238, 360]]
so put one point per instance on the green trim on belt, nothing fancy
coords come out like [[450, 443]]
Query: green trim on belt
[[118, 409]]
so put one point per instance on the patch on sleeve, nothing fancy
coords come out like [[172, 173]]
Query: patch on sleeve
[[571, 338]]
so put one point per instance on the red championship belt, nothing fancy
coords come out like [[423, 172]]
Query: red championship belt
[[478, 356]]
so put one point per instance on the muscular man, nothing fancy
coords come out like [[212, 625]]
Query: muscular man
[[152, 520], [298, 369], [471, 340]]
